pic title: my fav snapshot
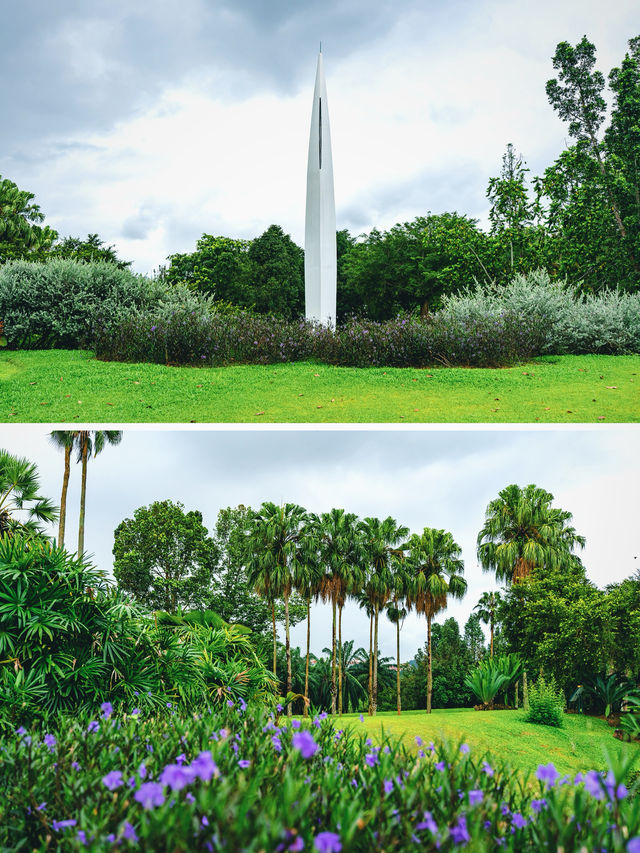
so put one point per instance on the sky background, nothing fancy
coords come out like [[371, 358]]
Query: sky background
[[155, 121], [441, 478]]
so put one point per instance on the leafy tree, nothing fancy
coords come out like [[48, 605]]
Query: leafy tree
[[275, 273], [279, 551], [63, 440], [90, 443], [22, 508], [380, 544], [522, 531], [474, 638], [434, 568], [217, 267], [164, 556], [623, 605], [91, 249], [486, 608], [20, 235]]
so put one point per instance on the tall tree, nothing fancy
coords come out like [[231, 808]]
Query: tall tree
[[474, 638], [64, 440], [434, 568], [90, 443], [278, 554], [486, 608], [381, 541], [165, 557], [396, 614], [20, 234], [22, 508], [522, 531]]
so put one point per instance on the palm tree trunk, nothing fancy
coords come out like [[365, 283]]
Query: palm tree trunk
[[398, 662], [83, 495], [340, 660], [63, 496], [371, 663], [287, 646], [429, 671], [275, 647], [333, 658], [375, 662], [491, 628], [306, 667]]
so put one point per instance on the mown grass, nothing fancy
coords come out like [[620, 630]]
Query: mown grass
[[578, 746], [65, 386]]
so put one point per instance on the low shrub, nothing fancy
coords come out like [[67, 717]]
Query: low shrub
[[239, 779], [546, 703], [55, 304]]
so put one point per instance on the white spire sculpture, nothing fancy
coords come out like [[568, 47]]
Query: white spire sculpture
[[320, 265]]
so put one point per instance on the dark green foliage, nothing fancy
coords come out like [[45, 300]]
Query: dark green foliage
[[20, 234], [216, 268], [58, 303], [608, 691], [546, 703], [22, 508], [91, 250], [164, 556]]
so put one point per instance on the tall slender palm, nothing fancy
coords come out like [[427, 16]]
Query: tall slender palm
[[380, 543], [19, 487], [64, 440], [434, 570], [90, 443], [308, 582], [279, 551], [522, 531], [486, 609], [397, 614], [338, 543]]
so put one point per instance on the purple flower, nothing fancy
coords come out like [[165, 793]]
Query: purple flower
[[75, 765], [149, 794], [487, 768], [428, 823], [244, 763], [547, 773], [107, 710], [142, 771], [371, 758], [204, 767], [277, 743], [388, 786], [464, 749], [295, 724], [475, 797], [129, 832], [112, 780], [62, 824], [327, 842], [518, 821], [593, 784], [440, 766], [94, 726], [361, 718], [538, 805], [135, 712], [50, 741], [633, 845], [176, 776], [418, 740], [82, 837], [618, 792], [21, 731], [458, 832], [305, 743]]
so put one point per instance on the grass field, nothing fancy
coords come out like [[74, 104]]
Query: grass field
[[58, 386], [578, 746]]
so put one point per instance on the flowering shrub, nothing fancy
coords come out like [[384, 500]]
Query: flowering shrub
[[238, 779]]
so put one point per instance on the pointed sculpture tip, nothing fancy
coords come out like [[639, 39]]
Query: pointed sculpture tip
[[320, 47]]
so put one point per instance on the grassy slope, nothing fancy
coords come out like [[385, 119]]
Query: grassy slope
[[63, 386], [576, 747]]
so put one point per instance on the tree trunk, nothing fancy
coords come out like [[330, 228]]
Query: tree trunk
[[63, 496], [371, 663], [515, 701], [340, 660], [287, 647], [429, 672], [398, 661], [306, 666], [333, 658], [491, 628], [375, 660], [525, 692], [83, 497], [275, 646]]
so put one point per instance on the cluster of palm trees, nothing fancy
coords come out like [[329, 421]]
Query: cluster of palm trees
[[336, 556]]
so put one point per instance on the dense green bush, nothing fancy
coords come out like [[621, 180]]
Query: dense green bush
[[237, 779], [546, 703], [55, 304]]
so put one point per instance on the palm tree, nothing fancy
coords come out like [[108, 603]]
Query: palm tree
[[486, 610], [64, 440], [19, 487], [308, 583], [380, 543], [397, 615], [279, 551], [339, 555], [434, 570], [90, 443], [522, 531]]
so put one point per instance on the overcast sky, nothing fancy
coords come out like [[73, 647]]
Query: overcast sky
[[155, 121], [441, 478]]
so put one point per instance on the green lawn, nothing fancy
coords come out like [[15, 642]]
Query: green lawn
[[576, 747], [62, 386]]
